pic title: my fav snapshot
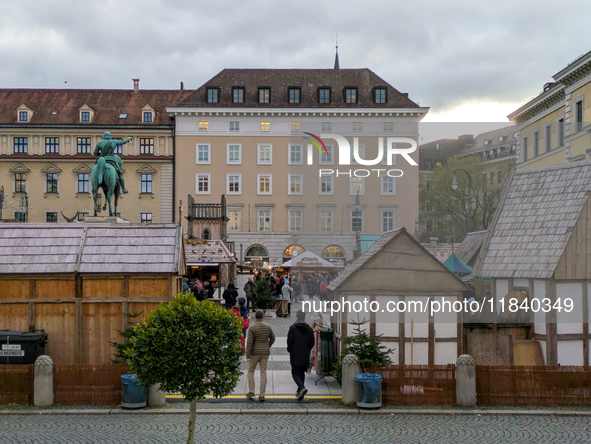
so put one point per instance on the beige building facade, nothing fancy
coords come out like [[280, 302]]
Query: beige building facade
[[249, 134], [554, 126], [47, 140]]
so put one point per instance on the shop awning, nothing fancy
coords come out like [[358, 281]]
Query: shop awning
[[307, 260]]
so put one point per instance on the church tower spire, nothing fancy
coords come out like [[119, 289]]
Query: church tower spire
[[336, 57]]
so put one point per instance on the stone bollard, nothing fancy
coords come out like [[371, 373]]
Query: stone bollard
[[43, 385], [466, 381], [351, 369], [156, 398]]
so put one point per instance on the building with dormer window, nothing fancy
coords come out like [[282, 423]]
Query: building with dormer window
[[47, 140]]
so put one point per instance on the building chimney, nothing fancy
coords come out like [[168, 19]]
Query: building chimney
[[182, 86], [136, 85]]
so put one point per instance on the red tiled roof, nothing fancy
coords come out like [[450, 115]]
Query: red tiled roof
[[107, 104], [309, 80]]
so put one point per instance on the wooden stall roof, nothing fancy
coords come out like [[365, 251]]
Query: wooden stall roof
[[207, 252], [91, 248], [412, 256], [470, 246], [534, 221]]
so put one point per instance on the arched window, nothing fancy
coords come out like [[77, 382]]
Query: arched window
[[333, 251], [257, 255], [291, 252], [206, 234]]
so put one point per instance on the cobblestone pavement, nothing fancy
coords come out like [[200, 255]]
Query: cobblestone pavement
[[263, 428]]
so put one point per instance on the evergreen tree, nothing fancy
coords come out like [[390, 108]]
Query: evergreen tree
[[262, 296]]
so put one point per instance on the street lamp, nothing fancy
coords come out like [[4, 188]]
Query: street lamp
[[454, 186]]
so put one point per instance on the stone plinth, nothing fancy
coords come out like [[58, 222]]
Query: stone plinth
[[105, 220]]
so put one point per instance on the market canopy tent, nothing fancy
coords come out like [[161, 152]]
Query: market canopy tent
[[308, 260], [456, 265]]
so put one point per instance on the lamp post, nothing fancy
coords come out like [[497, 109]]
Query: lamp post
[[454, 187]]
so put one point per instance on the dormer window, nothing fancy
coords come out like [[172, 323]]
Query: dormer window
[[213, 95], [23, 116], [500, 138], [350, 95], [294, 95], [148, 117], [486, 141], [238, 95], [324, 95], [85, 116], [379, 95], [264, 95]]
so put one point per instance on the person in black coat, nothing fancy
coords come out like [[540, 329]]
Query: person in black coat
[[300, 341], [230, 295]]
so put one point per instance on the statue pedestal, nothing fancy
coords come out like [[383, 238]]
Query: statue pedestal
[[105, 220]]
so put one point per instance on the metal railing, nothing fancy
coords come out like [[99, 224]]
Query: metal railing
[[206, 211]]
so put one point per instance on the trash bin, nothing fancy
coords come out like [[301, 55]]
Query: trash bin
[[369, 390], [133, 394], [21, 347]]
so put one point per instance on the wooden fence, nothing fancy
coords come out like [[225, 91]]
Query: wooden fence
[[88, 384], [533, 386], [16, 384], [417, 384]]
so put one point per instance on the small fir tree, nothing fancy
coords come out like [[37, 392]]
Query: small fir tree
[[262, 296], [368, 349]]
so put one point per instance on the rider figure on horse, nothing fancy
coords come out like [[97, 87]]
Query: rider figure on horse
[[106, 148]]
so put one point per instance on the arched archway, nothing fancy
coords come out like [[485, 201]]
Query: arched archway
[[334, 254], [292, 251], [256, 255]]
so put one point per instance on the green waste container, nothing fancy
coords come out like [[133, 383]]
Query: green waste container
[[369, 390], [133, 394]]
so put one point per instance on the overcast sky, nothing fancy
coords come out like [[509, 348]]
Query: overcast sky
[[469, 60]]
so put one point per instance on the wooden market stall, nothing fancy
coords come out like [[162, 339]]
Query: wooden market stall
[[77, 281], [399, 270]]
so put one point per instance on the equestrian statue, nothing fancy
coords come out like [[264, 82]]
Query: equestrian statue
[[107, 174]]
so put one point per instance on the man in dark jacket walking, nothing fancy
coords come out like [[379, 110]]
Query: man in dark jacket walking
[[300, 341]]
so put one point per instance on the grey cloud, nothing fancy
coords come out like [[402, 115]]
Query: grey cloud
[[442, 53]]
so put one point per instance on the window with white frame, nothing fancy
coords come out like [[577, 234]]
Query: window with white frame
[[356, 220], [146, 218], [21, 145], [388, 127], [264, 217], [148, 116], [357, 127], [357, 184], [20, 183], [264, 154], [85, 116], [234, 127], [234, 220], [326, 220], [295, 126], [203, 155], [388, 186], [295, 184], [579, 116], [203, 184], [119, 148], [295, 220], [51, 179], [326, 126], [326, 185], [264, 184], [295, 155], [234, 153], [52, 145], [203, 127], [83, 145], [146, 180], [83, 182], [388, 220], [360, 151], [147, 145], [265, 127], [234, 183], [326, 157], [23, 116]]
